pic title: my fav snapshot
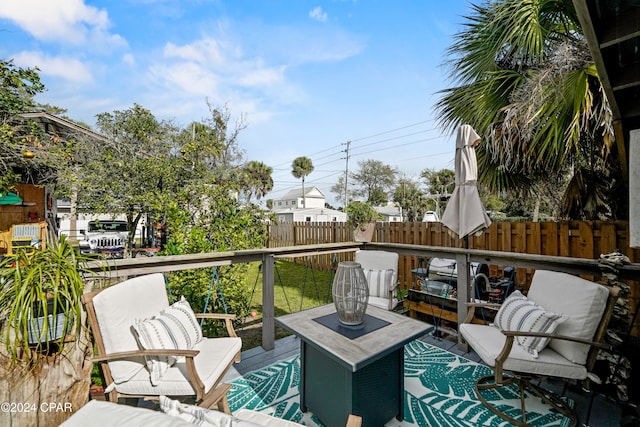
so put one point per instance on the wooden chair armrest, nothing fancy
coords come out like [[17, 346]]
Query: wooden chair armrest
[[221, 316], [141, 353], [490, 305]]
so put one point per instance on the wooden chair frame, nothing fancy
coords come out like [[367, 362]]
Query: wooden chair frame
[[216, 396]]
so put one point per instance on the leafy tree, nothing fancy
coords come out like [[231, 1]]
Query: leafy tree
[[257, 179], [301, 168], [18, 86], [227, 164], [210, 219], [130, 172], [439, 182], [411, 199], [339, 190], [374, 180], [526, 82], [199, 149]]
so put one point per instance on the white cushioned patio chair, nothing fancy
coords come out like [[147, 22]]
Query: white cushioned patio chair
[[381, 270], [147, 348], [555, 331]]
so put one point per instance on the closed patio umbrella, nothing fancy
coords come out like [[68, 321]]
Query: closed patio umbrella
[[465, 214]]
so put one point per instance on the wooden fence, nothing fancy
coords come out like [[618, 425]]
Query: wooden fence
[[574, 239]]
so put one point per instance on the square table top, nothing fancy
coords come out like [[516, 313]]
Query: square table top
[[358, 352]]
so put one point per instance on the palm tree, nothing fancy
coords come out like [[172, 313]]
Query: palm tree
[[300, 168], [526, 82], [258, 179]]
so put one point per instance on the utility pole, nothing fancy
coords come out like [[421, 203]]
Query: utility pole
[[346, 176]]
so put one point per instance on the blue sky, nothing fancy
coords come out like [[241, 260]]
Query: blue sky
[[308, 76]]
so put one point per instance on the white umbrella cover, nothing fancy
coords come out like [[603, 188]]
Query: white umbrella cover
[[465, 214]]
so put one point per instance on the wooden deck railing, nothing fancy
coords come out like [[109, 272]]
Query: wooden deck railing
[[571, 239], [138, 266]]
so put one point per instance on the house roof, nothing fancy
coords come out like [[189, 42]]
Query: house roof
[[310, 192], [58, 125], [388, 210]]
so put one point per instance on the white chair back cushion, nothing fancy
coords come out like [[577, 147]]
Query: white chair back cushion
[[381, 271], [582, 301], [380, 282], [377, 260], [117, 308]]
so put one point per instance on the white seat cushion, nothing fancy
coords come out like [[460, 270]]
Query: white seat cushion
[[214, 357], [117, 307], [582, 301], [98, 413], [487, 341]]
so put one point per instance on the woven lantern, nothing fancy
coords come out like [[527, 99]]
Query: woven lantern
[[350, 293]]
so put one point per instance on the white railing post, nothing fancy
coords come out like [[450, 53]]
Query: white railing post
[[268, 302]]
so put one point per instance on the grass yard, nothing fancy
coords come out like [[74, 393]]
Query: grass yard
[[297, 287]]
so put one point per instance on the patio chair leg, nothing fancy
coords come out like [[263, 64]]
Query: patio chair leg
[[217, 397], [551, 399]]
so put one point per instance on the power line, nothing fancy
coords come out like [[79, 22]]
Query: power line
[[399, 145], [390, 131]]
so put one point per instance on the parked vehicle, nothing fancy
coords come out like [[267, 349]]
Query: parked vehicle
[[430, 216], [105, 238]]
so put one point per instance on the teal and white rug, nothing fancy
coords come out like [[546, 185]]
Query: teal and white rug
[[438, 392]]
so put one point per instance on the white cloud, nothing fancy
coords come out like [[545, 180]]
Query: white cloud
[[263, 77], [317, 14], [186, 77], [129, 59], [69, 21], [201, 51], [70, 69]]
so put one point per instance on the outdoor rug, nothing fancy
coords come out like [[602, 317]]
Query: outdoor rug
[[439, 391]]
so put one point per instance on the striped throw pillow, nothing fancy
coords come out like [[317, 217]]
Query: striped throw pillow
[[380, 281], [518, 313], [173, 328]]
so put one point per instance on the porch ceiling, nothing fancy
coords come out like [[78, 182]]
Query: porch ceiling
[[612, 29]]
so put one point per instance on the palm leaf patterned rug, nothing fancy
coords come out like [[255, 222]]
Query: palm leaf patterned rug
[[438, 392]]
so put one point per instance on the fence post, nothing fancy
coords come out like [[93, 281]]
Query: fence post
[[268, 302]]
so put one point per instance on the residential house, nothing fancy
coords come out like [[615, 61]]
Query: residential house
[[390, 213], [291, 207]]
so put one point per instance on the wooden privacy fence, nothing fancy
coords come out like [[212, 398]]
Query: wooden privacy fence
[[575, 239]]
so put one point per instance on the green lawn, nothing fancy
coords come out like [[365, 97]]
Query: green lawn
[[296, 288]]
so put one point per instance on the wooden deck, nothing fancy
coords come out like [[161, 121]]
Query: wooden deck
[[604, 411]]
